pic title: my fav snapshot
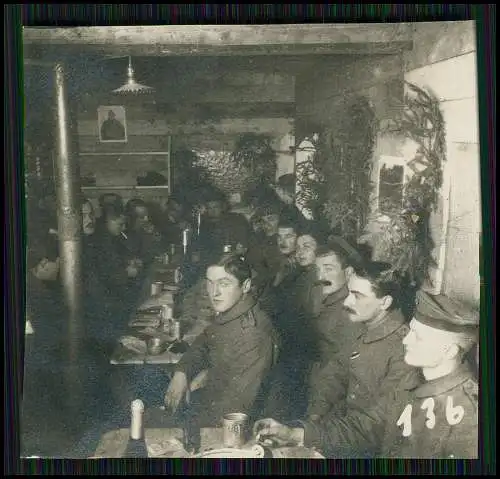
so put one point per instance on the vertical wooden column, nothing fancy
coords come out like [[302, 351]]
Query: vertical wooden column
[[69, 215]]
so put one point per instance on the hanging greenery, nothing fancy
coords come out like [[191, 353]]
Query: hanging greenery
[[255, 153], [252, 160], [335, 182], [406, 239]]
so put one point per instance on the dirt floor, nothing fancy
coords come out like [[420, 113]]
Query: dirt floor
[[66, 419]]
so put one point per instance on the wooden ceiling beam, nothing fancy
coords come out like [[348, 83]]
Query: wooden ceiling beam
[[55, 52], [220, 39]]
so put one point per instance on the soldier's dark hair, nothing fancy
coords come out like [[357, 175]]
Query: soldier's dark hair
[[266, 209], [40, 248], [85, 201], [345, 253], [178, 199], [385, 281], [235, 264], [288, 219], [215, 194], [329, 249], [134, 203], [112, 211], [109, 198], [314, 229]]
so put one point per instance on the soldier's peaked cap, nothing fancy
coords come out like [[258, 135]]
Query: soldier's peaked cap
[[440, 312]]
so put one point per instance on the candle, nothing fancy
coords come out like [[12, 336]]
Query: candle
[[185, 239]]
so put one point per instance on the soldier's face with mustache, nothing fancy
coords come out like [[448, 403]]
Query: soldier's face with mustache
[[88, 219], [330, 273], [362, 304], [287, 240]]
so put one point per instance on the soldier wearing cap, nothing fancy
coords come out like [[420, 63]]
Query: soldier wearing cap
[[438, 419], [368, 368]]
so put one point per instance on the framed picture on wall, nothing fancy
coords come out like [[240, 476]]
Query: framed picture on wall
[[112, 124], [391, 182]]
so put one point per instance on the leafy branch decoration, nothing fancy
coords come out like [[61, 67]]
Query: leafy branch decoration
[[407, 240], [335, 183], [252, 159]]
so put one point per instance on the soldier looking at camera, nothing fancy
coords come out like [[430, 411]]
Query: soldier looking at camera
[[374, 368], [236, 350]]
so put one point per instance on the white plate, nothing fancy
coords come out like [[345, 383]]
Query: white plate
[[255, 452]]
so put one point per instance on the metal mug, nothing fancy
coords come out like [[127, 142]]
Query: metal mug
[[176, 330], [156, 288], [177, 275], [234, 429], [156, 346]]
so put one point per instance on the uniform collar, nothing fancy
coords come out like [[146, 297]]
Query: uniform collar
[[393, 321], [239, 309], [335, 297], [438, 386]]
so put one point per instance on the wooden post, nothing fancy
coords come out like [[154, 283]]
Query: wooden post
[[69, 216]]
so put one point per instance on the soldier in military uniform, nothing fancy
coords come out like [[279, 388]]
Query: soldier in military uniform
[[236, 350], [438, 419], [373, 368], [333, 331]]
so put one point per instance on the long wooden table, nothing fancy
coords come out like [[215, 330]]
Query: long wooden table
[[121, 355], [168, 443], [165, 274]]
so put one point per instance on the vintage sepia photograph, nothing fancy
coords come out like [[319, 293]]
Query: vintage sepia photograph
[[281, 261], [112, 124]]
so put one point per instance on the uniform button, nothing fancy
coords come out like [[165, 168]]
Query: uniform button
[[352, 396], [451, 456]]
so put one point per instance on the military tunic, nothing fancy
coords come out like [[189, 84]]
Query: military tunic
[[437, 420], [237, 351], [375, 369], [334, 335], [291, 314]]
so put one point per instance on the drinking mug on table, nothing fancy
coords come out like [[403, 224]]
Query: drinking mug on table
[[156, 288], [177, 275], [234, 429]]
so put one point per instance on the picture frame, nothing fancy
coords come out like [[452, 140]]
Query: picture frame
[[112, 124], [392, 177]]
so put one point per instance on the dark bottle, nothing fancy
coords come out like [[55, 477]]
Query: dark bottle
[[191, 430], [179, 346], [136, 446]]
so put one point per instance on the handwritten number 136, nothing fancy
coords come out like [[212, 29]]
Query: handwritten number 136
[[454, 415]]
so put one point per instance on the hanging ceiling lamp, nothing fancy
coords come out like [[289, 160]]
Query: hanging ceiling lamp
[[131, 86]]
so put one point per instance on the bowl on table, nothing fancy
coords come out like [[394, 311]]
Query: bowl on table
[[156, 345]]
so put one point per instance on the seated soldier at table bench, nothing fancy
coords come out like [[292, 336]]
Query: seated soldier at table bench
[[236, 350]]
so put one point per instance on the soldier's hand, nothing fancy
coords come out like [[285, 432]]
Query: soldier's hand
[[176, 391], [269, 430], [138, 263], [132, 271]]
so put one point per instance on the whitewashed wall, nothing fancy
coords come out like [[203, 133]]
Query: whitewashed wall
[[451, 72]]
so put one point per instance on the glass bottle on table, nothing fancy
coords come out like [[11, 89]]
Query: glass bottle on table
[[190, 428], [179, 346], [186, 237], [166, 318], [136, 446]]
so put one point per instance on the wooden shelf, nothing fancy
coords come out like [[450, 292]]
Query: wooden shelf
[[126, 153]]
